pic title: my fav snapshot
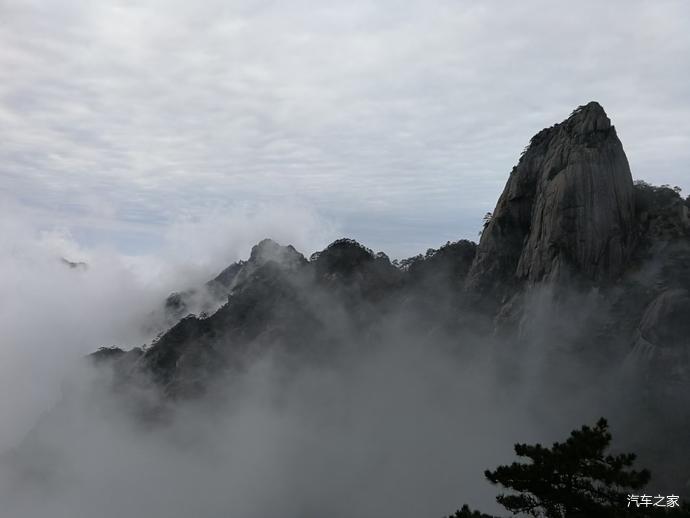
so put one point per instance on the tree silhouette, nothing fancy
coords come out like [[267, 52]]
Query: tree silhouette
[[465, 512], [485, 222], [574, 479], [570, 479]]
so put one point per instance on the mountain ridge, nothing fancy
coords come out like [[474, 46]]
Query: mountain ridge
[[578, 264], [569, 215]]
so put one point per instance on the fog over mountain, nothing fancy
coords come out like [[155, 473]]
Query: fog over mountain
[[341, 382]]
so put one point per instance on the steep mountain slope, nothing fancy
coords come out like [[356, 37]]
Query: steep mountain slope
[[567, 209]]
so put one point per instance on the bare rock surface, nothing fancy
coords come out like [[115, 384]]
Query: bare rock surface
[[662, 348], [567, 209]]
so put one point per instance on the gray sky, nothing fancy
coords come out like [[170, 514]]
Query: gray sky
[[395, 122]]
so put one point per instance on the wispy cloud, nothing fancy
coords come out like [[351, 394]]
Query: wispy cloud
[[399, 120]]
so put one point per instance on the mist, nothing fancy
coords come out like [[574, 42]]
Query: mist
[[52, 315], [220, 292], [400, 421]]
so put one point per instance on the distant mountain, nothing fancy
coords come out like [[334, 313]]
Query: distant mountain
[[576, 259], [570, 216], [277, 298], [79, 265]]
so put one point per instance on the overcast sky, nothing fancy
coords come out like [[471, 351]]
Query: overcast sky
[[396, 122]]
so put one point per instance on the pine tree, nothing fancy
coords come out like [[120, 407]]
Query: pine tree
[[577, 478], [465, 512]]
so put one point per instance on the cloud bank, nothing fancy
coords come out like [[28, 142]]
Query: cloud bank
[[118, 116], [400, 424]]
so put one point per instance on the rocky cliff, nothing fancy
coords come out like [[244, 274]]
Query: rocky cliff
[[567, 210]]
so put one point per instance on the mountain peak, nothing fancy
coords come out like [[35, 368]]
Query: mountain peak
[[588, 118], [268, 250], [567, 208]]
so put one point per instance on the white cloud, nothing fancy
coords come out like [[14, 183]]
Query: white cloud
[[52, 314], [371, 112]]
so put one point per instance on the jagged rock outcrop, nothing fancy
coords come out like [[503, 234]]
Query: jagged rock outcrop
[[266, 251], [275, 299], [567, 209], [665, 322], [662, 347], [207, 298]]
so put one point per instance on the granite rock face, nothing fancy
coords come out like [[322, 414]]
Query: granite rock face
[[662, 347], [566, 210], [665, 323]]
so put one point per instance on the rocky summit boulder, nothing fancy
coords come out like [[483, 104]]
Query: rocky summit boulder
[[566, 210], [665, 323], [660, 357]]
